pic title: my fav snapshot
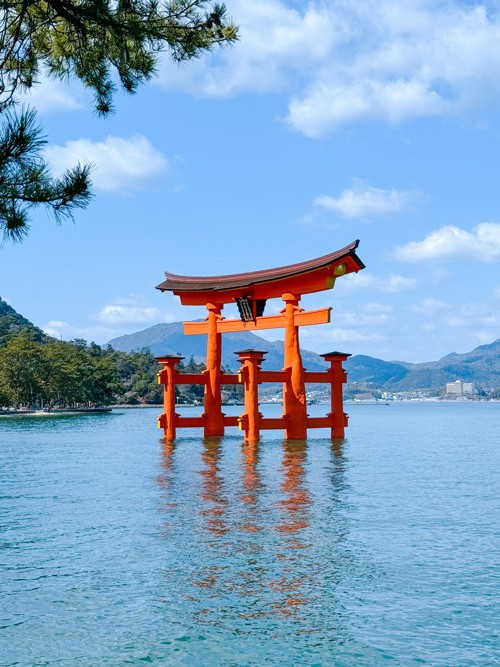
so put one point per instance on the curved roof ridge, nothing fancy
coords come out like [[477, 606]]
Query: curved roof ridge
[[176, 282]]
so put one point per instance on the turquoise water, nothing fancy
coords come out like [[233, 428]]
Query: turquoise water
[[381, 550]]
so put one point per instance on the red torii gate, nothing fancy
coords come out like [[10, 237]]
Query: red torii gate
[[250, 291]]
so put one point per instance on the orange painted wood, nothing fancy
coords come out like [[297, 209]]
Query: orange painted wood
[[308, 317], [294, 391], [338, 431], [317, 376], [273, 376], [250, 371], [227, 326], [230, 421], [212, 400], [320, 422], [337, 411], [307, 283], [272, 423], [191, 378], [166, 376], [187, 422], [228, 378], [303, 318]]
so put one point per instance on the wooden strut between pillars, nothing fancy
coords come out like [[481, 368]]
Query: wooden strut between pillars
[[251, 375], [300, 318]]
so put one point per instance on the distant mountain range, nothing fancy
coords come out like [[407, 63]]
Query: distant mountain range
[[481, 366], [170, 339]]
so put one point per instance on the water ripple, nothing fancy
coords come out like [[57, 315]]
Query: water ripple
[[117, 548]]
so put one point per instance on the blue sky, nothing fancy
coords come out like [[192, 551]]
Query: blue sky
[[327, 122]]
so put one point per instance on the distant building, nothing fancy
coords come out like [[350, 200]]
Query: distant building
[[459, 388]]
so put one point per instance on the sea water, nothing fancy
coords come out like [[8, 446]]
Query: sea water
[[383, 549]]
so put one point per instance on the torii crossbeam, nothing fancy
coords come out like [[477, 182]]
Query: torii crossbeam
[[250, 291]]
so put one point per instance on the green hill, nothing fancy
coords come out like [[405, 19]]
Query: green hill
[[12, 324], [481, 366]]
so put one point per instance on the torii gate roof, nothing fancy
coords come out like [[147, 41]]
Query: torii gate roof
[[314, 275]]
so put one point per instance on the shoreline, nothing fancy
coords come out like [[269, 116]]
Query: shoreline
[[55, 413], [61, 412]]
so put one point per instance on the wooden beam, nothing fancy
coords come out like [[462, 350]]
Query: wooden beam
[[274, 376], [317, 376], [229, 378], [301, 318], [189, 422], [230, 420], [190, 378], [272, 423], [320, 422]]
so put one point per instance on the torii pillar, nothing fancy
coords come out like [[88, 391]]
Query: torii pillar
[[212, 400], [294, 391], [339, 377]]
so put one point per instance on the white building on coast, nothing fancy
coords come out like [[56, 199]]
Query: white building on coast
[[459, 388]]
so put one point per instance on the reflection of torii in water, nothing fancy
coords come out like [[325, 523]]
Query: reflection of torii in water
[[296, 500], [259, 577], [250, 291]]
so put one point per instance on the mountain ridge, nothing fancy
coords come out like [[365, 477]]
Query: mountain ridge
[[481, 365]]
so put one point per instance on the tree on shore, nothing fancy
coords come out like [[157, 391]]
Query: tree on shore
[[96, 42], [56, 374], [22, 370]]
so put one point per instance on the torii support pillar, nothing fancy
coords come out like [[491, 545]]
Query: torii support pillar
[[294, 391], [212, 401], [249, 422], [166, 377], [339, 418]]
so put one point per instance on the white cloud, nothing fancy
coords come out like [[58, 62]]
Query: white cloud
[[348, 61], [351, 335], [450, 241], [277, 42], [366, 281], [373, 307], [55, 328], [63, 330], [478, 313], [402, 62], [483, 337], [120, 164], [51, 95], [117, 314], [364, 201], [357, 319], [321, 338], [430, 307]]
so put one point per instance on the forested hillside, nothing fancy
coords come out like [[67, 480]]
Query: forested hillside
[[37, 371], [12, 323]]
